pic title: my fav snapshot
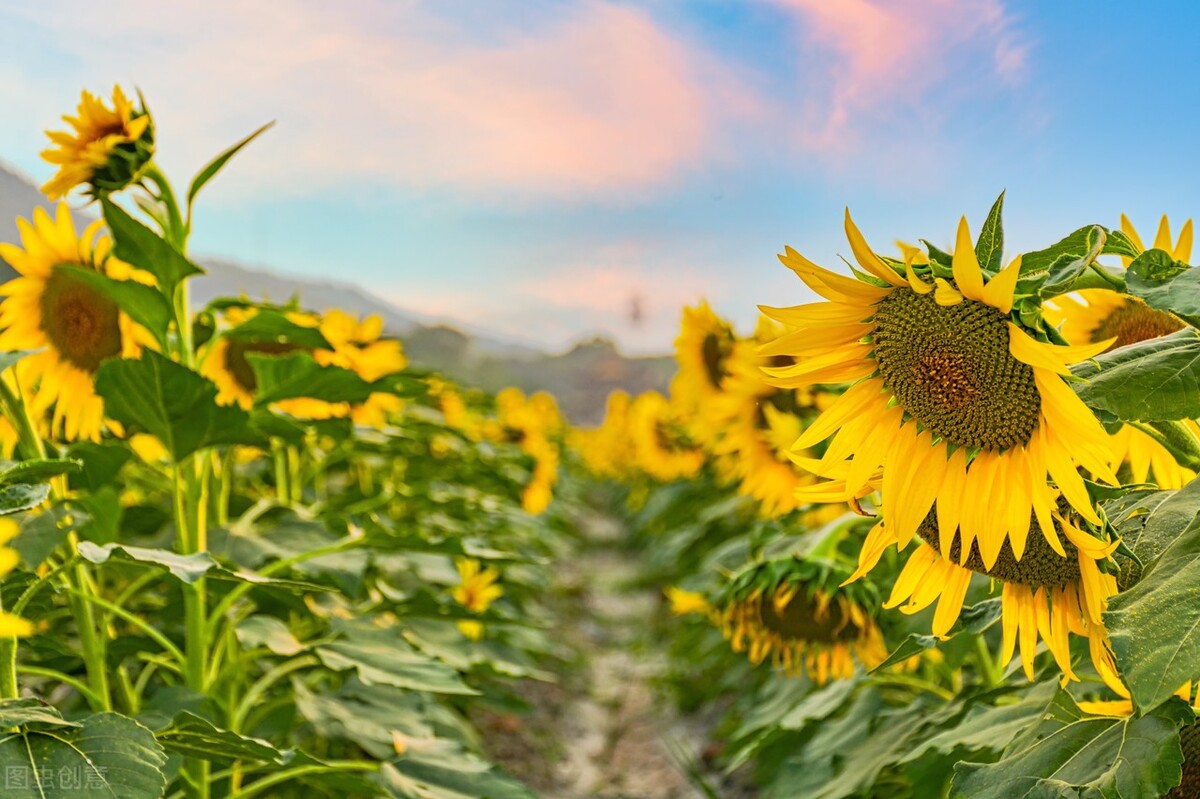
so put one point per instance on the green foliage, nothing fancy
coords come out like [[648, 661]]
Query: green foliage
[[1069, 754], [989, 247], [1166, 284], [141, 247], [170, 402], [104, 755], [1114, 384], [1155, 625]]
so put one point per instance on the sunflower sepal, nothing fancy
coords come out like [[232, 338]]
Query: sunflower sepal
[[941, 263]]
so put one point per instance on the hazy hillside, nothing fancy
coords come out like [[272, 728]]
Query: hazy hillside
[[580, 378]]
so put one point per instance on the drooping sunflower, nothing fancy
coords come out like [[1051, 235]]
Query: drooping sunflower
[[476, 591], [660, 445], [792, 611], [1053, 590], [702, 350], [758, 424], [952, 398], [76, 327], [1094, 315], [106, 149]]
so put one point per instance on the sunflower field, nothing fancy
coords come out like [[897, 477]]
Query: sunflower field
[[936, 534]]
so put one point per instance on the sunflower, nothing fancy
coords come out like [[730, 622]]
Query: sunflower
[[359, 347], [661, 448], [1056, 588], [476, 591], [759, 422], [1093, 315], [607, 450], [951, 399], [532, 423], [702, 350], [226, 364], [791, 611], [107, 148], [76, 327]]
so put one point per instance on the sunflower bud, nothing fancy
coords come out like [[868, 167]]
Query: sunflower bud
[[107, 149]]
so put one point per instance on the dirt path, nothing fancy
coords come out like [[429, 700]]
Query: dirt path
[[602, 732]]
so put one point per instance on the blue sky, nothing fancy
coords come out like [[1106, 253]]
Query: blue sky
[[530, 166]]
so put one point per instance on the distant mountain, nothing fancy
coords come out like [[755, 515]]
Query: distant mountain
[[581, 378]]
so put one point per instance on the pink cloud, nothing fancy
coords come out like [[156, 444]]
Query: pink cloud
[[593, 294], [592, 99], [867, 58]]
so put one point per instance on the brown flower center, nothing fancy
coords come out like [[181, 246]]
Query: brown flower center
[[1039, 566], [799, 620], [82, 324], [1189, 741], [1133, 322], [239, 366], [950, 369], [714, 350]]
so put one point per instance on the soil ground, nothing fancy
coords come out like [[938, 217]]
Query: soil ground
[[602, 731]]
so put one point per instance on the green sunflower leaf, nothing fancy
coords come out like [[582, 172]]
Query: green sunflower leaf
[[215, 166], [10, 358], [187, 568], [37, 471], [271, 325], [21, 497], [1166, 284], [105, 755], [1039, 263], [989, 247], [1153, 380], [1155, 625], [192, 736], [283, 377], [153, 394], [140, 246], [382, 657], [1071, 754]]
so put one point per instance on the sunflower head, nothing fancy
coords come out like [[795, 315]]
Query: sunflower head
[[792, 611], [702, 350], [953, 396], [106, 148], [476, 591], [660, 443], [51, 307], [1059, 583]]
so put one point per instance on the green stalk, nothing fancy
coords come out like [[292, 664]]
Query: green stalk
[[191, 504], [299, 771], [92, 646], [282, 474], [264, 683], [65, 679]]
